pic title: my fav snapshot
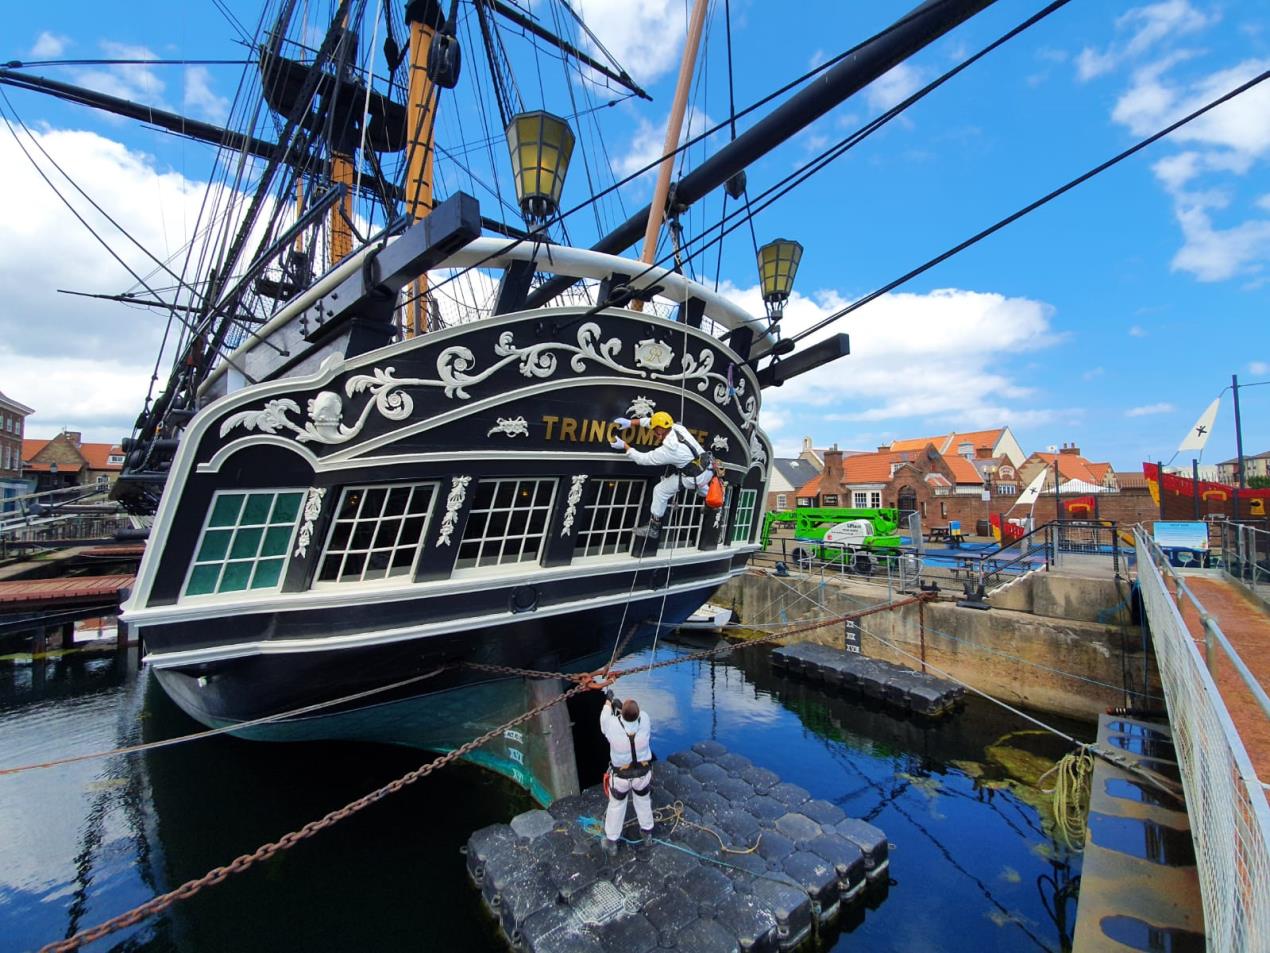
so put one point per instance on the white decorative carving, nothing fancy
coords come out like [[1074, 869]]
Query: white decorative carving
[[575, 494], [756, 451], [654, 355], [453, 503], [641, 407], [325, 423], [720, 443], [512, 426], [312, 509]]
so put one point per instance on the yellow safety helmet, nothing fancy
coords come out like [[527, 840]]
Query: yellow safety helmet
[[661, 419]]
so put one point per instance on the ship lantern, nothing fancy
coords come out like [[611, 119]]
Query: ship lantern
[[541, 145], [777, 265]]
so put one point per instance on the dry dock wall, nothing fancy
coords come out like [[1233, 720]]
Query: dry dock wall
[[1073, 666]]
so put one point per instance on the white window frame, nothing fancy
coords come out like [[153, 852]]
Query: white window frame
[[376, 520], [782, 501], [682, 526], [875, 499], [743, 521], [859, 499], [237, 525], [498, 546], [610, 522]]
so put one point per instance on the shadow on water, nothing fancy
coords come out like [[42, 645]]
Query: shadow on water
[[973, 864]]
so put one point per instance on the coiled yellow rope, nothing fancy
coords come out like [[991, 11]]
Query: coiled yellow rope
[[1073, 773]]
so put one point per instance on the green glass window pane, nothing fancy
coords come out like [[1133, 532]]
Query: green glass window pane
[[202, 580], [268, 572], [215, 545], [276, 540], [235, 578], [225, 512], [257, 509], [286, 508], [246, 542]]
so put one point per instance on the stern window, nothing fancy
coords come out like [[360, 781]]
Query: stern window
[[682, 527], [245, 541], [744, 516], [376, 532], [617, 510], [507, 524]]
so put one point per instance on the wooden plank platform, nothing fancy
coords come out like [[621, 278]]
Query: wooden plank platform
[[38, 593], [894, 685], [795, 864]]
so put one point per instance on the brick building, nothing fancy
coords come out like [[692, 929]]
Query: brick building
[[67, 461], [1257, 465], [12, 426], [998, 444]]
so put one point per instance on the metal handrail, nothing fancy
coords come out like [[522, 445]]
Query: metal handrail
[[1212, 631]]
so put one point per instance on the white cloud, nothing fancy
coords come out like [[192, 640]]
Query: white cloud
[[135, 81], [1137, 331], [1259, 367], [1230, 140], [84, 363], [939, 357], [1146, 26], [1150, 409], [1093, 373], [49, 46], [893, 86], [649, 139], [646, 38], [200, 98]]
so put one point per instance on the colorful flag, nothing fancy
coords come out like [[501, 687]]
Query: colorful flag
[[1198, 435]]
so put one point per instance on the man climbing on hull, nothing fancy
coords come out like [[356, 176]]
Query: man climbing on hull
[[676, 448]]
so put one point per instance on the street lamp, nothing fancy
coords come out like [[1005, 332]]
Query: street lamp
[[541, 145], [777, 265]]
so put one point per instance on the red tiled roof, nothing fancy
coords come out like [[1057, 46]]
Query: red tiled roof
[[811, 488], [48, 467], [1070, 466], [98, 455], [947, 442], [31, 447], [963, 470], [1100, 470], [937, 479], [869, 467]]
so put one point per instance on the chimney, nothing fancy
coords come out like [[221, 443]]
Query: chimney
[[983, 453], [831, 475], [884, 449], [806, 444], [1070, 448], [74, 436]]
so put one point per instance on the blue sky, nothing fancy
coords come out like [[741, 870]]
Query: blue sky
[[1110, 318]]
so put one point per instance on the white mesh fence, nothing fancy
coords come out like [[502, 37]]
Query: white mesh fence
[[1230, 820]]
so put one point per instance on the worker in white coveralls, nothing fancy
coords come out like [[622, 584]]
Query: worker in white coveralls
[[630, 773], [676, 448]]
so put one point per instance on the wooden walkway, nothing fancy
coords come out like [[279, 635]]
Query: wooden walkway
[[1247, 625], [31, 594]]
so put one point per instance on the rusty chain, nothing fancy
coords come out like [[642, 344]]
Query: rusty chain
[[585, 681]]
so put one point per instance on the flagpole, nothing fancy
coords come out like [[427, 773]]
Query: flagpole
[[1195, 483], [1239, 446]]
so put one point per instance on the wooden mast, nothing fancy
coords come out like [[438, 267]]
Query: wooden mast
[[420, 119], [674, 125]]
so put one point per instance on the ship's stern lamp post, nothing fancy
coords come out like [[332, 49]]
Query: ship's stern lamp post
[[541, 145], [778, 262]]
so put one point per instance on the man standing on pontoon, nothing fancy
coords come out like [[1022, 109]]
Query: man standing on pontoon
[[676, 448], [630, 773]]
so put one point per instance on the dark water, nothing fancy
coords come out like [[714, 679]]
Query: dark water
[[972, 865]]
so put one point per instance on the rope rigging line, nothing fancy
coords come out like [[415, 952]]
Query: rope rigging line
[[211, 732], [1044, 200], [802, 173]]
